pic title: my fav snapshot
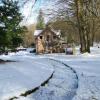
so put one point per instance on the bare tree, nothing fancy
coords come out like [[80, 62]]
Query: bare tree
[[86, 14]]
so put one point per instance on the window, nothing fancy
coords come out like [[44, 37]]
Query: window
[[48, 37], [54, 37], [40, 37]]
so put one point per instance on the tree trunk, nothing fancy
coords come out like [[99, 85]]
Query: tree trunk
[[82, 27]]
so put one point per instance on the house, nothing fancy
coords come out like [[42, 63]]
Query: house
[[47, 40]]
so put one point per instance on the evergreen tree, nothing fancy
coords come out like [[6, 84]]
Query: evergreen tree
[[10, 18], [40, 21]]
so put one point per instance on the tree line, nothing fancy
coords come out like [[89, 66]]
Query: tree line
[[80, 16], [79, 20]]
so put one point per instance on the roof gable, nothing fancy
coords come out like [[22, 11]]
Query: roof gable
[[57, 32], [38, 32]]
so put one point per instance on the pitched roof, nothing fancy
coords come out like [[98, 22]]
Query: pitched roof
[[57, 32], [38, 32]]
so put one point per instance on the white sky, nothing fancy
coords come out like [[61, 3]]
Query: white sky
[[31, 14]]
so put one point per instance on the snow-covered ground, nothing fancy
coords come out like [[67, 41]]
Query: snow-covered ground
[[87, 67], [62, 85], [80, 80], [24, 74]]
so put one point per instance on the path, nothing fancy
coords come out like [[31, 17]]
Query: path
[[62, 86]]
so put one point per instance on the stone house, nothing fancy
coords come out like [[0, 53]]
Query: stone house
[[47, 40]]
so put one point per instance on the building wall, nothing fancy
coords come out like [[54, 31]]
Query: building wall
[[45, 42]]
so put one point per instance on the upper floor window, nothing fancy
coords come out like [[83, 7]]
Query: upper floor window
[[41, 37], [54, 37], [48, 37]]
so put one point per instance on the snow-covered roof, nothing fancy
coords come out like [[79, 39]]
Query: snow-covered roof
[[37, 32], [57, 32]]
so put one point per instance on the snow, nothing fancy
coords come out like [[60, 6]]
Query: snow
[[62, 85], [24, 74], [57, 32], [87, 67], [37, 32], [80, 80]]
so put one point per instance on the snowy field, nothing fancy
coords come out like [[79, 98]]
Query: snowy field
[[80, 80], [87, 67], [24, 74]]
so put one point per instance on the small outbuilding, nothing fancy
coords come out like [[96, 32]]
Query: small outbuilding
[[47, 40]]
